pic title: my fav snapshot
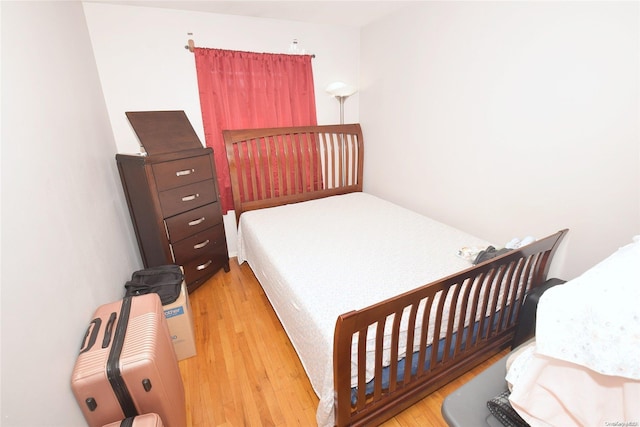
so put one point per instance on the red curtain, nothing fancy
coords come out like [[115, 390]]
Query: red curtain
[[240, 90]]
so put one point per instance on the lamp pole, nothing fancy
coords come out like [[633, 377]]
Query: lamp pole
[[341, 100]]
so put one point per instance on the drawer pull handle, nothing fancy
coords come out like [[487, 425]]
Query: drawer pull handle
[[203, 266], [196, 222], [201, 245], [185, 172], [190, 197]]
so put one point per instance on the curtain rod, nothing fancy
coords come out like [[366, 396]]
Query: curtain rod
[[191, 46]]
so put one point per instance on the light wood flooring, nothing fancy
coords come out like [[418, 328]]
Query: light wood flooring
[[246, 372]]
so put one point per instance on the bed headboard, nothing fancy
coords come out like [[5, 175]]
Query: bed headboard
[[276, 166]]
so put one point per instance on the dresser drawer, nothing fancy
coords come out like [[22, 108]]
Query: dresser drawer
[[213, 257], [207, 265], [194, 221], [203, 242], [187, 197], [182, 172]]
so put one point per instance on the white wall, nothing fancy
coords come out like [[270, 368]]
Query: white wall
[[67, 243], [509, 118], [143, 64]]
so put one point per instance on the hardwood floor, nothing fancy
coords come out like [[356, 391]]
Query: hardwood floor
[[246, 372]]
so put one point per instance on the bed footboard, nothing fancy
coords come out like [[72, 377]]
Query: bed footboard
[[416, 342]]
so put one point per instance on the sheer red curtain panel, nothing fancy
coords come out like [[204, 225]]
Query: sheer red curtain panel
[[241, 90]]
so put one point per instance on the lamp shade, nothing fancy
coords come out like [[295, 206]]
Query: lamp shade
[[340, 89]]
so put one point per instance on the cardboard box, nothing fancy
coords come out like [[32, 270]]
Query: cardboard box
[[180, 320]]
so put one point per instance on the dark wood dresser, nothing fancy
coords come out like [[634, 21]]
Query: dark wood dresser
[[172, 194]]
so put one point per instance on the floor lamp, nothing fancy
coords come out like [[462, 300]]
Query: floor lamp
[[341, 91]]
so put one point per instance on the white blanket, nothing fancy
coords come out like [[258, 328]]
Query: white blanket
[[549, 392], [594, 319], [318, 259]]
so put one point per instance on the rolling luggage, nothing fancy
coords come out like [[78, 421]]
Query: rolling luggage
[[127, 365], [146, 420]]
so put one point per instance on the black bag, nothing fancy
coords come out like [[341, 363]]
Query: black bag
[[501, 408], [489, 253], [164, 280]]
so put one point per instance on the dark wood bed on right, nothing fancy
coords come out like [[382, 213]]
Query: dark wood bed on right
[[372, 351]]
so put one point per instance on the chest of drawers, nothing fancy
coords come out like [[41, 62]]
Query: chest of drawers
[[172, 197]]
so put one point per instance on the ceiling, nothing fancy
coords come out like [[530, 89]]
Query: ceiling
[[350, 13]]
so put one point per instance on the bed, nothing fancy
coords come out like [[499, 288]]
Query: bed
[[375, 298]]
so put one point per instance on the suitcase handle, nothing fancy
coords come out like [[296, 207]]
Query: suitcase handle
[[108, 330], [114, 374], [86, 346]]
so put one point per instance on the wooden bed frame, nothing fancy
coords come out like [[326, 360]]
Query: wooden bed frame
[[275, 166]]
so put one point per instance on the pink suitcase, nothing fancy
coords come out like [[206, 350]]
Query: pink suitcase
[[127, 365], [146, 420]]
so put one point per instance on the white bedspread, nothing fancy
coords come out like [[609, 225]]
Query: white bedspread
[[318, 259]]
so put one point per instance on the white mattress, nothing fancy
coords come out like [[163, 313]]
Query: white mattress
[[318, 259]]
